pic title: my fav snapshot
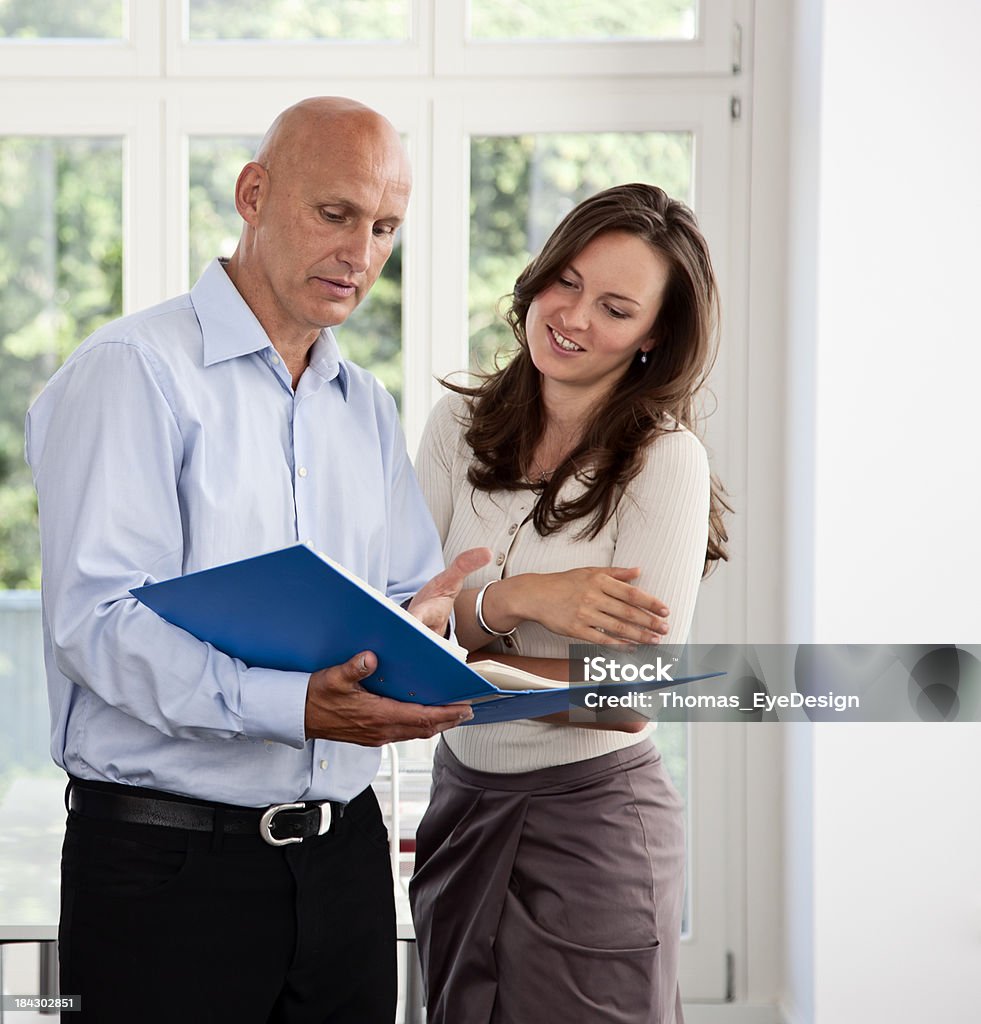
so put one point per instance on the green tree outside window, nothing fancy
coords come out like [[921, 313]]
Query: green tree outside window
[[60, 279]]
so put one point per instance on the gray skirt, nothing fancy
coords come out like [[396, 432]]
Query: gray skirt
[[551, 895]]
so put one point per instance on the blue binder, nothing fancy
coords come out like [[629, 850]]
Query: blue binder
[[294, 609]]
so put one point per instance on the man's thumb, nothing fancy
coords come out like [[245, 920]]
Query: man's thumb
[[359, 666]]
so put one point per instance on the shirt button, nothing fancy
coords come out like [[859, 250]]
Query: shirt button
[[323, 765], [275, 360], [511, 529], [508, 642], [500, 559], [302, 471]]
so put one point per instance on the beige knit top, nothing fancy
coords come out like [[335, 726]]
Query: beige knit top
[[660, 525]]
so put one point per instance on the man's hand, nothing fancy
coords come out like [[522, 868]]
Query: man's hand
[[434, 602], [339, 708]]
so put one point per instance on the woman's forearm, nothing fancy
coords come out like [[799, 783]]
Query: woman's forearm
[[594, 604]]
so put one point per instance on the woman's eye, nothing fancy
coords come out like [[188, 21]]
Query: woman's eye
[[566, 283], [617, 314]]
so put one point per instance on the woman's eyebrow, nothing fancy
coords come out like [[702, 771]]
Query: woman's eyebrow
[[607, 295]]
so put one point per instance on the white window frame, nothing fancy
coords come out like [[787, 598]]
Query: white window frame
[[710, 52], [282, 59], [156, 89], [137, 54]]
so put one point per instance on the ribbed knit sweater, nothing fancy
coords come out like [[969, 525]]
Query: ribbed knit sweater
[[660, 525]]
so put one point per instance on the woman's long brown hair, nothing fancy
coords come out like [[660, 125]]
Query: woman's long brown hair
[[507, 418]]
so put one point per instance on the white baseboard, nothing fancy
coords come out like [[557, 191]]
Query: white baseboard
[[732, 1013], [792, 1014]]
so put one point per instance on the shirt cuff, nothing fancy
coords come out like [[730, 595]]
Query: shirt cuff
[[274, 705]]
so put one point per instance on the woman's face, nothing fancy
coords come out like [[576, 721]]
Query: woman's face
[[584, 330]]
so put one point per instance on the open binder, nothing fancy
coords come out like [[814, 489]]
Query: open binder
[[297, 610]]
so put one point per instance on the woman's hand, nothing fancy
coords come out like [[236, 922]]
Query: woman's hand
[[595, 604]]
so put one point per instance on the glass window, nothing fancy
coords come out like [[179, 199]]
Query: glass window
[[583, 19], [672, 741], [371, 337], [215, 224], [32, 816], [364, 20], [521, 187], [413, 765], [60, 279], [62, 19]]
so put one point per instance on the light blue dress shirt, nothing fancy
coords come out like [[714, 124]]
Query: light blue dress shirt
[[172, 441]]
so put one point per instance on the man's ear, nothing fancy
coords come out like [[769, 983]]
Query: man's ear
[[252, 184]]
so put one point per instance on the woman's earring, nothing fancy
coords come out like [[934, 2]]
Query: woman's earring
[[643, 359]]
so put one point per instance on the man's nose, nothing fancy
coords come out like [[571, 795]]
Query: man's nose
[[355, 248]]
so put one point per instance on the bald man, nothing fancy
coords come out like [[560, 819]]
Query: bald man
[[219, 425]]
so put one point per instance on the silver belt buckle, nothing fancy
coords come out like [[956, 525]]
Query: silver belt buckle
[[265, 822]]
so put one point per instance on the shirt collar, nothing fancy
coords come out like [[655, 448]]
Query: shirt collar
[[229, 328], [325, 360]]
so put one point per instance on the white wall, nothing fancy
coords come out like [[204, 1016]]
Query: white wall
[[899, 336], [897, 896], [885, 261]]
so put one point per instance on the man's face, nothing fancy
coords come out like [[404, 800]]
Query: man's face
[[325, 225]]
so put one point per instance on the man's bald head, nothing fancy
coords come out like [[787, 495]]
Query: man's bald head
[[321, 202], [334, 119]]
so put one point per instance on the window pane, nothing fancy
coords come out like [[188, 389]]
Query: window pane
[[414, 759], [583, 19], [671, 739], [371, 337], [32, 786], [371, 20], [215, 223], [61, 19], [522, 186], [60, 279]]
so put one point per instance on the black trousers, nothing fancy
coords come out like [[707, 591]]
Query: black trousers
[[163, 925]]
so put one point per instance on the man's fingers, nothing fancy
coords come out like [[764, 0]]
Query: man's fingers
[[471, 560], [415, 722], [339, 708], [448, 715], [450, 581]]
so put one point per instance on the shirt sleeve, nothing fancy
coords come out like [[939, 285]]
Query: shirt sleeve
[[663, 526], [106, 453]]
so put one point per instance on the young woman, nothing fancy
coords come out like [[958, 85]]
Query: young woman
[[550, 865]]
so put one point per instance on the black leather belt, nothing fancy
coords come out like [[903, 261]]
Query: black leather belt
[[278, 825]]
